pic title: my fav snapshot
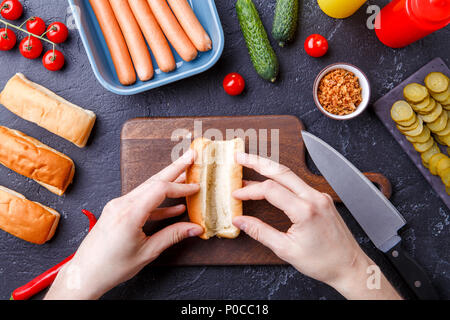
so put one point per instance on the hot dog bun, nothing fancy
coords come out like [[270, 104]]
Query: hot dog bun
[[154, 35], [215, 169], [191, 25], [134, 39], [39, 105], [172, 29], [25, 219], [115, 41], [32, 159]]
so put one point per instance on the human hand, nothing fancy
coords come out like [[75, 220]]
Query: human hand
[[318, 244], [117, 248]]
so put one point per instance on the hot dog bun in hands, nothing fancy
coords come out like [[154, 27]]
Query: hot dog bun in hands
[[25, 219], [218, 175]]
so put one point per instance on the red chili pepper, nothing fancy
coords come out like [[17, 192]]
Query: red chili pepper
[[46, 279]]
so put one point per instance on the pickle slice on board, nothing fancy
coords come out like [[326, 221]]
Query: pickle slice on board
[[401, 111], [445, 176], [424, 146], [424, 136], [415, 132], [442, 165], [434, 162], [443, 96], [421, 105], [409, 122], [411, 127], [440, 123], [426, 156], [439, 140], [426, 165], [432, 116], [446, 131], [437, 82], [429, 108], [446, 140], [415, 93]]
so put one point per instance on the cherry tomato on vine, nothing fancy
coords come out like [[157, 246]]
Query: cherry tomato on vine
[[53, 60], [57, 32], [36, 26], [31, 47], [11, 9], [234, 84], [316, 45], [7, 39]]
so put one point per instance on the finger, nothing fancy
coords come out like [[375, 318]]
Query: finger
[[166, 213], [173, 171], [181, 178], [149, 196], [167, 237], [261, 232], [277, 172], [277, 195]]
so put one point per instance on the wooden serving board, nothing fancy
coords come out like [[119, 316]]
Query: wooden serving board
[[383, 107], [147, 147]]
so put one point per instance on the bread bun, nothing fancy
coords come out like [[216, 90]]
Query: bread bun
[[218, 175]]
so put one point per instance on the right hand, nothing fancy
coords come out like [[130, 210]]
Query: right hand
[[318, 244]]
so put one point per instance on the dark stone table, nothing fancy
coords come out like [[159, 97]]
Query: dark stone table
[[364, 141]]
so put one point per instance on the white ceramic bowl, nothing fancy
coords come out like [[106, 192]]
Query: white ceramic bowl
[[363, 82]]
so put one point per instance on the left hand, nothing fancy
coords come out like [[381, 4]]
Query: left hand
[[117, 248]]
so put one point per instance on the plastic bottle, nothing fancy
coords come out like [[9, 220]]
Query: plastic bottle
[[340, 8], [403, 22]]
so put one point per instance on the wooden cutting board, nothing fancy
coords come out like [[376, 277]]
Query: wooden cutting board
[[147, 146]]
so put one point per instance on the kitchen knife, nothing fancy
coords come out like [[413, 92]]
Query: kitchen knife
[[375, 214]]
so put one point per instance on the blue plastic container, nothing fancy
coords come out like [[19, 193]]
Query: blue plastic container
[[102, 64]]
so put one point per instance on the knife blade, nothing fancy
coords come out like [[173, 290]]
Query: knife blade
[[376, 215]]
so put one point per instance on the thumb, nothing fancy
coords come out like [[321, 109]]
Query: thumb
[[167, 237], [261, 232]]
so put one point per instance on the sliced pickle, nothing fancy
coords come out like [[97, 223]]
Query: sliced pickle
[[424, 136], [429, 108], [415, 92], [426, 156], [421, 105], [445, 131], [434, 162], [445, 176], [424, 146], [440, 123], [442, 165], [411, 127], [441, 97], [445, 140], [437, 82], [433, 115], [401, 111], [415, 132]]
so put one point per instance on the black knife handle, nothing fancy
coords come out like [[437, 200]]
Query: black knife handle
[[412, 273]]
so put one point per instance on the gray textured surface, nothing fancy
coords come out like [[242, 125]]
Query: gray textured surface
[[364, 141]]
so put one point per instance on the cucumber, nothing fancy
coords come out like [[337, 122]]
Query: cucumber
[[261, 52], [285, 21]]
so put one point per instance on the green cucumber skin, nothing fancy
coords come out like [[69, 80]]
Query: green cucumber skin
[[286, 21], [261, 52]]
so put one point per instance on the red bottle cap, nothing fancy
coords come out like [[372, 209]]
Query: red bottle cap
[[435, 11]]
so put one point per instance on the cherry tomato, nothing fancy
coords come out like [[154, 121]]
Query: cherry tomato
[[316, 45], [57, 32], [11, 9], [36, 26], [53, 61], [31, 47], [234, 84], [7, 39]]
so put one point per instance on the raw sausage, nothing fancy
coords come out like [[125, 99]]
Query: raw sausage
[[134, 39], [115, 41], [191, 25], [172, 29], [154, 35]]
